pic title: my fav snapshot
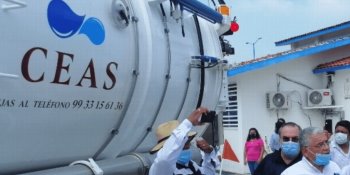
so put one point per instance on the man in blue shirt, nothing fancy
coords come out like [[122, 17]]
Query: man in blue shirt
[[276, 162], [275, 139]]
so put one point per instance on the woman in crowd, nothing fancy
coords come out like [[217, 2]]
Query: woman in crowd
[[253, 149]]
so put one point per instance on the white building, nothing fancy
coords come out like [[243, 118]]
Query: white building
[[317, 60]]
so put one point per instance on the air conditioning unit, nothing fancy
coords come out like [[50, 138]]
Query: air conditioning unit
[[277, 100], [319, 97]]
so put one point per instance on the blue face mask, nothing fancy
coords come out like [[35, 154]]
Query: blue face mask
[[290, 149], [185, 157], [322, 159]]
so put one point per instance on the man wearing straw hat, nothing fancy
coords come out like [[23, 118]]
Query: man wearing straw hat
[[173, 154]]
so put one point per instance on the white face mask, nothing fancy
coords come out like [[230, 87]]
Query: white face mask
[[341, 138]]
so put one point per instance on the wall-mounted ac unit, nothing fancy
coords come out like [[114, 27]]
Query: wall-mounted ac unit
[[319, 97], [277, 100]]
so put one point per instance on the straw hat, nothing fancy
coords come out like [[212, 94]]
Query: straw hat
[[164, 131]]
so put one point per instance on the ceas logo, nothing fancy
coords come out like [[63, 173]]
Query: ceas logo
[[65, 23]]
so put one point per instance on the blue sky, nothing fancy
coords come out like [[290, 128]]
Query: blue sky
[[275, 20]]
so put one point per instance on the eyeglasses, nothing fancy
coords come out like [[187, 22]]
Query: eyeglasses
[[293, 139], [322, 145]]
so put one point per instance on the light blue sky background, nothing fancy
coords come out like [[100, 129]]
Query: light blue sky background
[[276, 20]]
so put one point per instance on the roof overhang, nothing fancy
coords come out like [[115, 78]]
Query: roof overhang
[[289, 56], [331, 69], [328, 30]]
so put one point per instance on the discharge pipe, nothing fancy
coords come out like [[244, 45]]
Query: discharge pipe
[[131, 164], [134, 163]]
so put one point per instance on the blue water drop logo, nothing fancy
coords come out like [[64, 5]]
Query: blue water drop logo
[[92, 28], [65, 23]]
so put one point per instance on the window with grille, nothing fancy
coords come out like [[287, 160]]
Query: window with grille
[[230, 117]]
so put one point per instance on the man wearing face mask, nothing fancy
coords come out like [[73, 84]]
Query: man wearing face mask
[[276, 162], [316, 156], [340, 153], [173, 154]]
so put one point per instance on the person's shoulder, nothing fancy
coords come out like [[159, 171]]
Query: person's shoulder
[[298, 158], [332, 163], [287, 171], [333, 166], [273, 155], [292, 169], [298, 165], [346, 170], [272, 158], [260, 140], [332, 144]]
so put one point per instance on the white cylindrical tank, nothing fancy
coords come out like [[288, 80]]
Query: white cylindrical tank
[[95, 78]]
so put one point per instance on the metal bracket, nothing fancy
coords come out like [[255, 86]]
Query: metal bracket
[[15, 4], [90, 164], [121, 14]]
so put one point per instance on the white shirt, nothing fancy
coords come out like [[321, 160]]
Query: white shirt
[[338, 156], [304, 167], [345, 170], [165, 162]]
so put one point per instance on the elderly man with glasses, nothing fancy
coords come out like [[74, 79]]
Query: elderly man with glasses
[[289, 154], [316, 156]]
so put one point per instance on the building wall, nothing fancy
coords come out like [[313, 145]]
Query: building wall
[[342, 91], [253, 86]]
